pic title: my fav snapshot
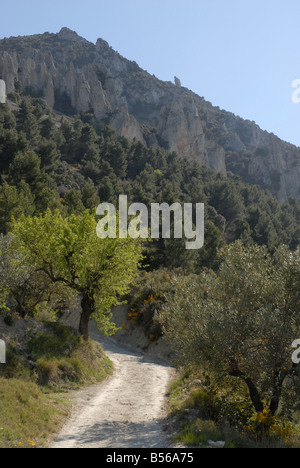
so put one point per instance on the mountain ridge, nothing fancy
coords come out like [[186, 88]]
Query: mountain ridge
[[76, 76]]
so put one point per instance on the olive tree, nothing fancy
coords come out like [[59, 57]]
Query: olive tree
[[242, 321]]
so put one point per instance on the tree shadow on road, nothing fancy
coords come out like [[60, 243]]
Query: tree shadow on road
[[116, 434]]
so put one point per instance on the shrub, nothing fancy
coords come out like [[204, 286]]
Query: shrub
[[265, 426], [58, 341], [147, 299], [9, 320], [65, 359]]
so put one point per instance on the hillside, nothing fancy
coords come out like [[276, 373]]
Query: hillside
[[78, 77], [82, 125], [48, 161]]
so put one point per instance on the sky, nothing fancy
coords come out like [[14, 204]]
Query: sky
[[241, 55]]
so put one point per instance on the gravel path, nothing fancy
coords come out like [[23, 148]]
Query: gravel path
[[127, 411]]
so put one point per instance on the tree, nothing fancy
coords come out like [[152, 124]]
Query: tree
[[48, 129], [68, 252], [27, 122], [86, 144], [74, 203], [20, 283], [9, 205], [9, 144], [90, 199], [14, 201], [225, 198], [45, 198], [242, 321], [113, 153], [207, 257], [49, 155], [27, 167]]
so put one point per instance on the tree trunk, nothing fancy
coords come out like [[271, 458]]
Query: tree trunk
[[255, 397], [88, 307], [20, 309], [274, 405], [254, 394], [278, 384]]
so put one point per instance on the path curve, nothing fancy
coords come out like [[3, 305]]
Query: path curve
[[126, 411]]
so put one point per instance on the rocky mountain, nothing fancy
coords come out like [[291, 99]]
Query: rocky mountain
[[77, 77]]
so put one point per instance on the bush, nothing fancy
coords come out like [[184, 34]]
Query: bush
[[199, 432], [65, 359], [266, 427], [57, 341], [203, 411], [147, 299], [57, 357], [9, 320], [205, 403], [16, 366]]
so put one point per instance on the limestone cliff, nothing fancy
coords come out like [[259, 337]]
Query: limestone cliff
[[76, 76]]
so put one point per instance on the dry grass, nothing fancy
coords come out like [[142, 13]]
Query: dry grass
[[34, 384]]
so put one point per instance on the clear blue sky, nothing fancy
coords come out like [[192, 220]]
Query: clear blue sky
[[242, 55]]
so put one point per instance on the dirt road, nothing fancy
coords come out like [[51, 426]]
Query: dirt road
[[127, 411]]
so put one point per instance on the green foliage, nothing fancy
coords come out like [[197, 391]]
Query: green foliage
[[57, 341], [63, 359], [204, 410], [9, 320], [198, 433], [146, 300], [20, 283], [239, 316], [10, 205], [27, 122], [68, 252], [25, 167], [85, 163], [242, 321]]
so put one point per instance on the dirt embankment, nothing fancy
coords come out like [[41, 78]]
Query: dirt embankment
[[129, 335]]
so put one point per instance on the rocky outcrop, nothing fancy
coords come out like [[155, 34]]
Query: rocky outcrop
[[271, 162], [2, 92], [76, 76]]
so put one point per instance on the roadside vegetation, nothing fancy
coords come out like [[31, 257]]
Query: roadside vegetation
[[202, 411], [28, 416], [45, 361], [231, 332]]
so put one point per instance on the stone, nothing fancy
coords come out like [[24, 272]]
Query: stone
[[220, 444], [177, 82]]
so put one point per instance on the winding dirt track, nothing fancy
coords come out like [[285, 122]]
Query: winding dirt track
[[126, 411]]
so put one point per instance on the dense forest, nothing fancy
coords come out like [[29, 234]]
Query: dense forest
[[241, 290], [48, 161]]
